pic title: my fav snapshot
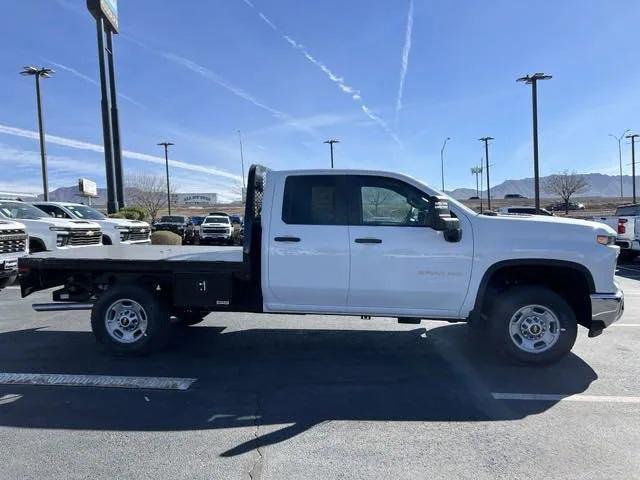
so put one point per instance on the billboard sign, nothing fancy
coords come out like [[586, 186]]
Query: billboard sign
[[107, 9], [87, 188]]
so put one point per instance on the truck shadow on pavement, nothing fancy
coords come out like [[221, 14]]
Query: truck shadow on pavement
[[280, 382]]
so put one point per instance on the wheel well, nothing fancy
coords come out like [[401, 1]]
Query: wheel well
[[106, 240], [573, 283], [36, 245]]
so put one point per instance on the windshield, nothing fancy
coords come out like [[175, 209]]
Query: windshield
[[629, 211], [197, 220], [21, 210], [217, 220], [171, 219], [84, 212]]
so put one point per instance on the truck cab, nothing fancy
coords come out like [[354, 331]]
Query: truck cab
[[115, 231], [47, 233]]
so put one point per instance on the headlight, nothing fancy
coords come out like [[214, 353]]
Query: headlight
[[62, 230], [606, 239], [121, 227]]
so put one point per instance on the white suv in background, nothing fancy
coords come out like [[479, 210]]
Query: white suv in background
[[13, 245], [216, 228], [48, 233], [115, 231]]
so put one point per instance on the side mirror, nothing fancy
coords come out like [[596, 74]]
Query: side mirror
[[439, 218]]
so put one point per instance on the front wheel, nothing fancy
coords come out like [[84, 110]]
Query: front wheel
[[130, 320], [532, 325]]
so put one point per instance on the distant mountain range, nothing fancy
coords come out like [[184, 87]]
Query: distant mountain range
[[599, 186]]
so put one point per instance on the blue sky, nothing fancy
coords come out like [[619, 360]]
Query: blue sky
[[292, 73]]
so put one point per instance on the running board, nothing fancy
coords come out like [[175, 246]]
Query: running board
[[61, 306]]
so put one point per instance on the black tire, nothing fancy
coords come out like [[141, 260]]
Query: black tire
[[154, 337], [36, 245], [190, 317], [507, 304]]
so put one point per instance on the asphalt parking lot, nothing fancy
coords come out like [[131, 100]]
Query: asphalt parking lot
[[275, 397]]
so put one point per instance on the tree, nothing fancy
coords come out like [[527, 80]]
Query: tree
[[565, 184], [375, 197], [149, 192]]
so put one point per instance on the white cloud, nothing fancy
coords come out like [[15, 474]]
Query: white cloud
[[80, 145], [406, 50], [338, 80]]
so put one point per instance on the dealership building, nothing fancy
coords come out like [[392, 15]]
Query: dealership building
[[195, 199]]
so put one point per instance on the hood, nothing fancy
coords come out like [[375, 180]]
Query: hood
[[10, 225], [62, 223], [124, 222], [543, 225]]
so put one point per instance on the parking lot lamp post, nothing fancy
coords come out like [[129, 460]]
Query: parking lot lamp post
[[37, 73], [619, 140], [331, 142], [486, 157], [444, 144], [166, 146], [242, 164], [533, 81], [477, 171], [633, 137]]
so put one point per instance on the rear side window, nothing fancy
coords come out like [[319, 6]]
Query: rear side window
[[314, 200], [629, 211]]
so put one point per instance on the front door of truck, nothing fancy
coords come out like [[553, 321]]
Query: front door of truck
[[399, 264], [308, 245]]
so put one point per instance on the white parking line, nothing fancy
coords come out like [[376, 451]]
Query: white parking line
[[103, 381], [546, 397]]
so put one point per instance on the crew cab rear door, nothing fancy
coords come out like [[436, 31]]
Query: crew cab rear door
[[308, 245], [399, 265]]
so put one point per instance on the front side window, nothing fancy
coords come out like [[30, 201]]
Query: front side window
[[388, 202], [314, 200]]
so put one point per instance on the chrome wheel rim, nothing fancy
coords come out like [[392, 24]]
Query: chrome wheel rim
[[126, 321], [534, 328]]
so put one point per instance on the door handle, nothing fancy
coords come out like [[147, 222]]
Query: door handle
[[286, 239], [368, 240]]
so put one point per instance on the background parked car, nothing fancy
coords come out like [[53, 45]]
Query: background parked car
[[524, 211], [178, 224], [513, 195], [216, 228], [115, 231], [559, 207]]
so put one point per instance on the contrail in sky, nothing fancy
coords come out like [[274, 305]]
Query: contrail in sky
[[80, 145], [88, 79], [338, 80], [405, 59]]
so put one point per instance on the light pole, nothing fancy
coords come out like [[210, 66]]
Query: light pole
[[477, 171], [241, 158], [533, 81], [37, 73], [619, 140], [331, 142], [486, 157], [633, 137], [166, 146], [444, 144]]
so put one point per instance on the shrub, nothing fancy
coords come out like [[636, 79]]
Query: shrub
[[165, 238]]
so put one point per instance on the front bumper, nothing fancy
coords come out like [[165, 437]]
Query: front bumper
[[606, 308]]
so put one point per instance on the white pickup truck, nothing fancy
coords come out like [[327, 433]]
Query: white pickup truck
[[349, 242], [13, 245], [51, 234], [115, 231], [624, 223]]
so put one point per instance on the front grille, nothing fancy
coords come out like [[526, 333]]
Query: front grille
[[13, 241], [214, 230], [85, 236], [135, 235]]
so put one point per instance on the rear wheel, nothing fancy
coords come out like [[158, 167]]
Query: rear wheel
[[129, 320], [532, 325]]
